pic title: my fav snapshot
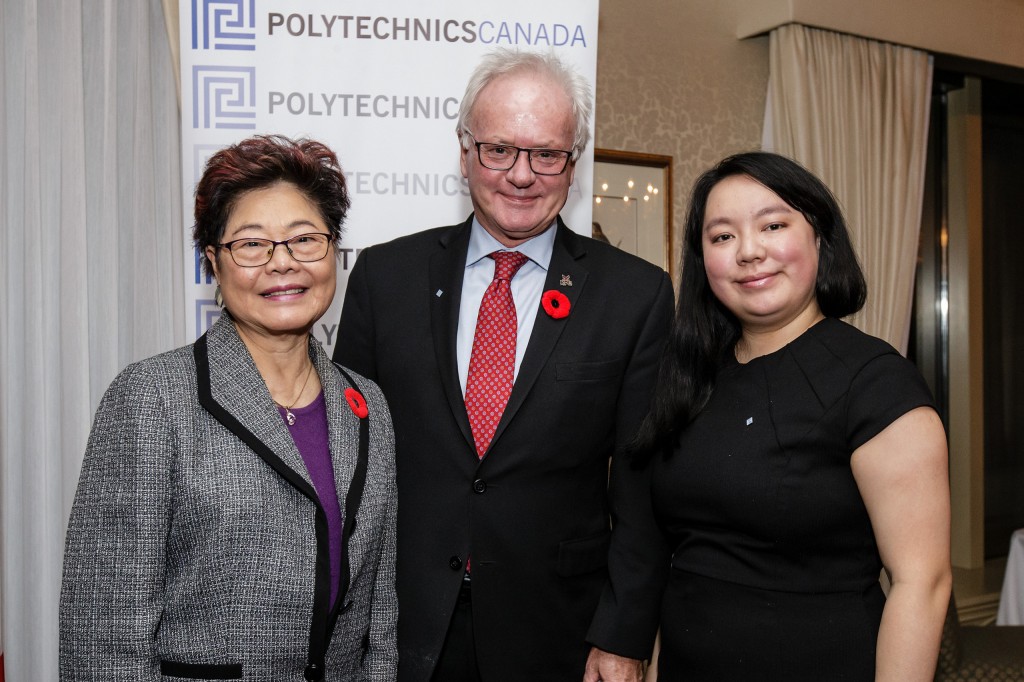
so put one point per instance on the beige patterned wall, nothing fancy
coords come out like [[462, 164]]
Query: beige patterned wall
[[673, 79]]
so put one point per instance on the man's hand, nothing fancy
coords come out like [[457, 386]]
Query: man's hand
[[605, 667]]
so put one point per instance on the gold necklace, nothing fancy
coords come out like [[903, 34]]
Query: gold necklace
[[288, 414]]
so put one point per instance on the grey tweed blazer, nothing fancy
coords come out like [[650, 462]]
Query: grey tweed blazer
[[197, 548]]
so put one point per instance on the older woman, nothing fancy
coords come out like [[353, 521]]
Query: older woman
[[235, 516], [790, 455]]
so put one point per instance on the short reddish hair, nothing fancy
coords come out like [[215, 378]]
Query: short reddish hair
[[259, 162]]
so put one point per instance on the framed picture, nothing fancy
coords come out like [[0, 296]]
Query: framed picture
[[633, 203]]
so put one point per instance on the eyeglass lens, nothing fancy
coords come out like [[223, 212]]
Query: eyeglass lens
[[254, 252], [542, 161]]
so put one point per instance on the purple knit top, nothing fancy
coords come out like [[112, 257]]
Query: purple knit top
[[311, 438]]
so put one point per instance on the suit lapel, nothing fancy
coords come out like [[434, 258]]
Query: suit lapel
[[343, 432], [565, 263], [447, 269], [232, 390], [236, 395], [342, 424]]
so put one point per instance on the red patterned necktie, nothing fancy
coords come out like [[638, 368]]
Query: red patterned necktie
[[492, 362]]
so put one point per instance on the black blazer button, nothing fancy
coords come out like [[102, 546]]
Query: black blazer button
[[479, 485], [314, 672], [455, 563]]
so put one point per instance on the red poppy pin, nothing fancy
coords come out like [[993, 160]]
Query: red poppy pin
[[556, 304], [357, 403]]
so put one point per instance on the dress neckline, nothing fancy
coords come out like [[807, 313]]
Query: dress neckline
[[808, 333]]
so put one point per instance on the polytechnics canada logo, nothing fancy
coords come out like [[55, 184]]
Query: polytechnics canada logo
[[223, 24], [223, 96], [206, 309]]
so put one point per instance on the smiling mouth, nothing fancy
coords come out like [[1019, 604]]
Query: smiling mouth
[[283, 292], [756, 279]]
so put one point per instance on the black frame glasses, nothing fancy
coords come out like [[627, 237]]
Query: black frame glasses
[[532, 154], [272, 245]]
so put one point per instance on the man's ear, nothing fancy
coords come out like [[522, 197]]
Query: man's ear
[[463, 159]]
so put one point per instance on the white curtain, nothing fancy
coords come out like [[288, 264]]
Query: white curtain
[[855, 112], [90, 194]]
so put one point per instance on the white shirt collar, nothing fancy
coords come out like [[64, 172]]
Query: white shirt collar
[[538, 249]]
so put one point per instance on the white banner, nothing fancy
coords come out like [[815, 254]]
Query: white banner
[[380, 87]]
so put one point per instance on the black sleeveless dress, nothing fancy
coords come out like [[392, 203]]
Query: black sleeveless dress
[[775, 569]]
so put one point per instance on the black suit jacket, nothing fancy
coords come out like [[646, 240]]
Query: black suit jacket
[[534, 512]]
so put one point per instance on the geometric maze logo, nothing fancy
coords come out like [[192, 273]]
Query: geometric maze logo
[[223, 24], [224, 97], [207, 312], [201, 153]]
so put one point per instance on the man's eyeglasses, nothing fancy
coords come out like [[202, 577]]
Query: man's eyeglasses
[[252, 253], [497, 156]]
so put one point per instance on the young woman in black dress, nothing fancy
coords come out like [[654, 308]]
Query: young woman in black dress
[[790, 456]]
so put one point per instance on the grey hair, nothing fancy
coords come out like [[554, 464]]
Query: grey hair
[[503, 61]]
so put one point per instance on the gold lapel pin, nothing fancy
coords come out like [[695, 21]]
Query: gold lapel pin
[[566, 281]]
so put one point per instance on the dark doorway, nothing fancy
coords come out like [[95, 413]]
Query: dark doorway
[[1003, 285], [1003, 211]]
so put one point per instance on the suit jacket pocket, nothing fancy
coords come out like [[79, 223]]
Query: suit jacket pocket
[[587, 371], [583, 555], [202, 671]]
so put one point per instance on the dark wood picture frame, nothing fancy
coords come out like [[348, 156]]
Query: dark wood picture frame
[[642, 219]]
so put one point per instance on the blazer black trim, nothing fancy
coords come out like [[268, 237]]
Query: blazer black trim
[[353, 498], [324, 618], [202, 671]]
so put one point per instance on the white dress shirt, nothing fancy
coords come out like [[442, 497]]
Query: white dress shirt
[[527, 287]]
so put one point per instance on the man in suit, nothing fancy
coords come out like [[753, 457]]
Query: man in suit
[[506, 412]]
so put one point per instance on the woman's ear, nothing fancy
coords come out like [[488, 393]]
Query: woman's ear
[[211, 255]]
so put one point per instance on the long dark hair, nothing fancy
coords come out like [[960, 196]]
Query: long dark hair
[[704, 332]]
